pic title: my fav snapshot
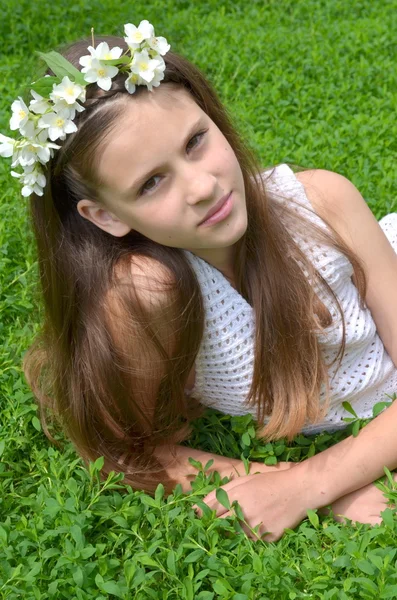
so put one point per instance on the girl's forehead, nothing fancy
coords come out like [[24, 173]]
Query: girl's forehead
[[166, 99], [153, 115], [148, 129]]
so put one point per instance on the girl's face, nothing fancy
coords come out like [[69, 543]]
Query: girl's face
[[163, 167]]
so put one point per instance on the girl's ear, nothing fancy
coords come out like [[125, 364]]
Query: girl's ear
[[103, 219]]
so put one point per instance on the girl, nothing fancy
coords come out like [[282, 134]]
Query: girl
[[177, 273]]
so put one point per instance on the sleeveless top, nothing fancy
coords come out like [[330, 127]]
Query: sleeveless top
[[224, 364]]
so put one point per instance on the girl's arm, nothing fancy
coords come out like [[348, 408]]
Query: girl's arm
[[277, 501], [352, 463], [355, 462]]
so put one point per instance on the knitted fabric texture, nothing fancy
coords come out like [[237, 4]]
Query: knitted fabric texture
[[224, 364]]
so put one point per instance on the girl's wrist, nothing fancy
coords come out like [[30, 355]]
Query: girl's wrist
[[316, 489], [304, 489]]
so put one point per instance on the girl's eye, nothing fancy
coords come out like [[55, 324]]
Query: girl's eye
[[197, 136], [192, 143], [146, 187]]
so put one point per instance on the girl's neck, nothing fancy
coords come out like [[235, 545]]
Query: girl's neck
[[222, 259]]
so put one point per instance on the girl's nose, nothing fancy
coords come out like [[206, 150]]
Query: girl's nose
[[202, 186]]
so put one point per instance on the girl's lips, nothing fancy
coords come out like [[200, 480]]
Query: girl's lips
[[218, 214]]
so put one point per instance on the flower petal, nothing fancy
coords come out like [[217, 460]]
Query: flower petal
[[146, 29], [105, 83]]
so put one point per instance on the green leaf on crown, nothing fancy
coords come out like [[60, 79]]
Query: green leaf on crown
[[115, 62], [44, 85], [62, 67]]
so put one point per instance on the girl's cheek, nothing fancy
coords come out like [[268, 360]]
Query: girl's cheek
[[223, 156], [231, 159]]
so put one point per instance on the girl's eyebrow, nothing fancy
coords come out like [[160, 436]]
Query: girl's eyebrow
[[143, 178]]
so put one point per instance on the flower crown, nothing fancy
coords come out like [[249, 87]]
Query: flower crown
[[56, 100]]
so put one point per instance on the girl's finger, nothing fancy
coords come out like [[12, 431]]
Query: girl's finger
[[220, 511], [262, 532], [250, 534], [211, 499], [230, 513]]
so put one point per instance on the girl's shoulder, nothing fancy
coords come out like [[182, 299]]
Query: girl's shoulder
[[328, 193], [300, 191], [283, 183]]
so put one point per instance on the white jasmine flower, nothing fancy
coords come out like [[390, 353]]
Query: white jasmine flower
[[21, 118], [136, 35], [144, 66], [58, 125], [158, 76], [159, 44], [20, 114], [28, 152], [69, 110], [28, 189], [24, 154], [68, 91], [7, 146], [38, 105], [86, 61], [132, 81], [100, 74], [33, 180], [102, 52], [29, 130]]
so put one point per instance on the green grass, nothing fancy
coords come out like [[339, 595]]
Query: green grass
[[310, 82]]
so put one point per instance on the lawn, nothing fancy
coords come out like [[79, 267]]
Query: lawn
[[310, 82]]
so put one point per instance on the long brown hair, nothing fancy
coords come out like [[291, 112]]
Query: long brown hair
[[75, 368]]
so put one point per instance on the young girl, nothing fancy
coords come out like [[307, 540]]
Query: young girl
[[177, 273]]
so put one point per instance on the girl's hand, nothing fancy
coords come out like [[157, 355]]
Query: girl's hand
[[363, 505], [275, 500]]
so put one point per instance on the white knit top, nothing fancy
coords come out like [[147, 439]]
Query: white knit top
[[224, 364]]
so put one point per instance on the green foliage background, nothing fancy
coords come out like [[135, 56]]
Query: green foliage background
[[312, 82]]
